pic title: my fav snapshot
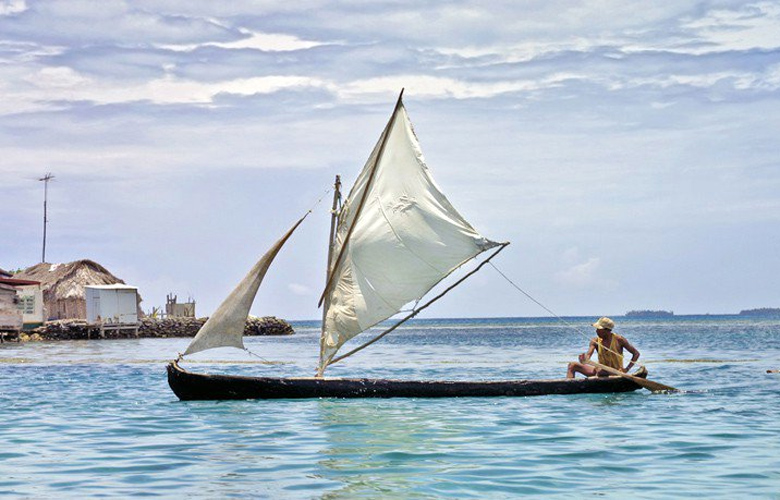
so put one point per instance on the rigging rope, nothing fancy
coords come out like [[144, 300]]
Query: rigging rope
[[317, 203], [258, 356], [580, 330]]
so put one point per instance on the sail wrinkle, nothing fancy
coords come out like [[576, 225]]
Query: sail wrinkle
[[404, 206], [406, 238]]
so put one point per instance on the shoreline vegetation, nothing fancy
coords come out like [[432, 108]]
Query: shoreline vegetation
[[77, 329], [762, 311]]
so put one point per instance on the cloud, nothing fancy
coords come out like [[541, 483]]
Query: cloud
[[183, 55], [582, 272], [272, 42], [580, 275], [547, 120], [11, 7], [748, 26], [52, 87], [298, 289]]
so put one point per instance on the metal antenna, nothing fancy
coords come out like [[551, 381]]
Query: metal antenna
[[46, 178]]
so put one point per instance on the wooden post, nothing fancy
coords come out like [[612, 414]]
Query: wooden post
[[46, 178], [333, 226]]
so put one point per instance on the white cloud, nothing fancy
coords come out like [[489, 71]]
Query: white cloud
[[423, 86], [271, 42], [299, 289], [50, 85], [582, 272], [25, 52], [11, 7], [52, 78], [580, 275], [750, 26]]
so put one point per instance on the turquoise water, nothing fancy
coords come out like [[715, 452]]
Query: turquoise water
[[97, 418]]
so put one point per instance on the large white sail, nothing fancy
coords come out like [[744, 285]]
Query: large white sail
[[406, 238], [225, 328]]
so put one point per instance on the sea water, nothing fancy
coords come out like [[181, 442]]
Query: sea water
[[97, 418]]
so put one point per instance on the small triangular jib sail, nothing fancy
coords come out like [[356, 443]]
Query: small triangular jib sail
[[398, 236], [225, 328]]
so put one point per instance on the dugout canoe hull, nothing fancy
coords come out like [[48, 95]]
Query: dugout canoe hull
[[190, 386]]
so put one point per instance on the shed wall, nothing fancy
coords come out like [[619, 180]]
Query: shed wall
[[10, 315]]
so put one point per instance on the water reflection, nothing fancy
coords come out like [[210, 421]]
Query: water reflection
[[388, 447]]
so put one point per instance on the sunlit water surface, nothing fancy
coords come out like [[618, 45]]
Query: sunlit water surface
[[97, 418]]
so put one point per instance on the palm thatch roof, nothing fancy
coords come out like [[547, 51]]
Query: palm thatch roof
[[68, 281]]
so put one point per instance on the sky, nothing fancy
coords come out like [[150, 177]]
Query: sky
[[628, 151]]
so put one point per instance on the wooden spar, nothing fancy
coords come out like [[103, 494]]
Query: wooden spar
[[370, 180], [333, 218], [417, 311], [647, 384]]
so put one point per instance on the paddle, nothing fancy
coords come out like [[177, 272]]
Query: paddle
[[647, 384]]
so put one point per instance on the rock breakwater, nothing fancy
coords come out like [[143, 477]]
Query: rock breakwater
[[148, 328]]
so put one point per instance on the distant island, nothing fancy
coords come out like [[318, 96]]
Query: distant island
[[649, 314], [762, 311]]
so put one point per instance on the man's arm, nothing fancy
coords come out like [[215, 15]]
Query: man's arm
[[591, 348], [634, 354]]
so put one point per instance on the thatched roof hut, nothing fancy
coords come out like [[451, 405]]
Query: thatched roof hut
[[64, 286]]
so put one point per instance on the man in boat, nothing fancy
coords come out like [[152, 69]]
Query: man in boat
[[609, 346]]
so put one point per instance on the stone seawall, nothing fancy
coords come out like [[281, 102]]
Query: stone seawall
[[149, 328]]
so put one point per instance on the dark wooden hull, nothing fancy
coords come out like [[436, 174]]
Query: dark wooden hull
[[193, 386]]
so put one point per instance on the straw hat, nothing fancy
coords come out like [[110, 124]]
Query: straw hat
[[604, 323]]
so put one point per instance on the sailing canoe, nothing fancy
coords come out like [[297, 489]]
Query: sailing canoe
[[195, 386], [394, 238]]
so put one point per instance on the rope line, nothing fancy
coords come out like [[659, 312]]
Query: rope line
[[317, 203], [575, 328], [257, 356]]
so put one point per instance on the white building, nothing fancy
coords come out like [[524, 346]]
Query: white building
[[112, 304], [10, 316], [28, 300], [31, 304]]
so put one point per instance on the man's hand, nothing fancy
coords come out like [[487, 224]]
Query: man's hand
[[582, 358]]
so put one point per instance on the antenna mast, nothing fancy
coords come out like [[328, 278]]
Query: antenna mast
[[46, 178]]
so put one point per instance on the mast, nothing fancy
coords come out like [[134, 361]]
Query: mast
[[410, 238], [388, 128], [331, 243]]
